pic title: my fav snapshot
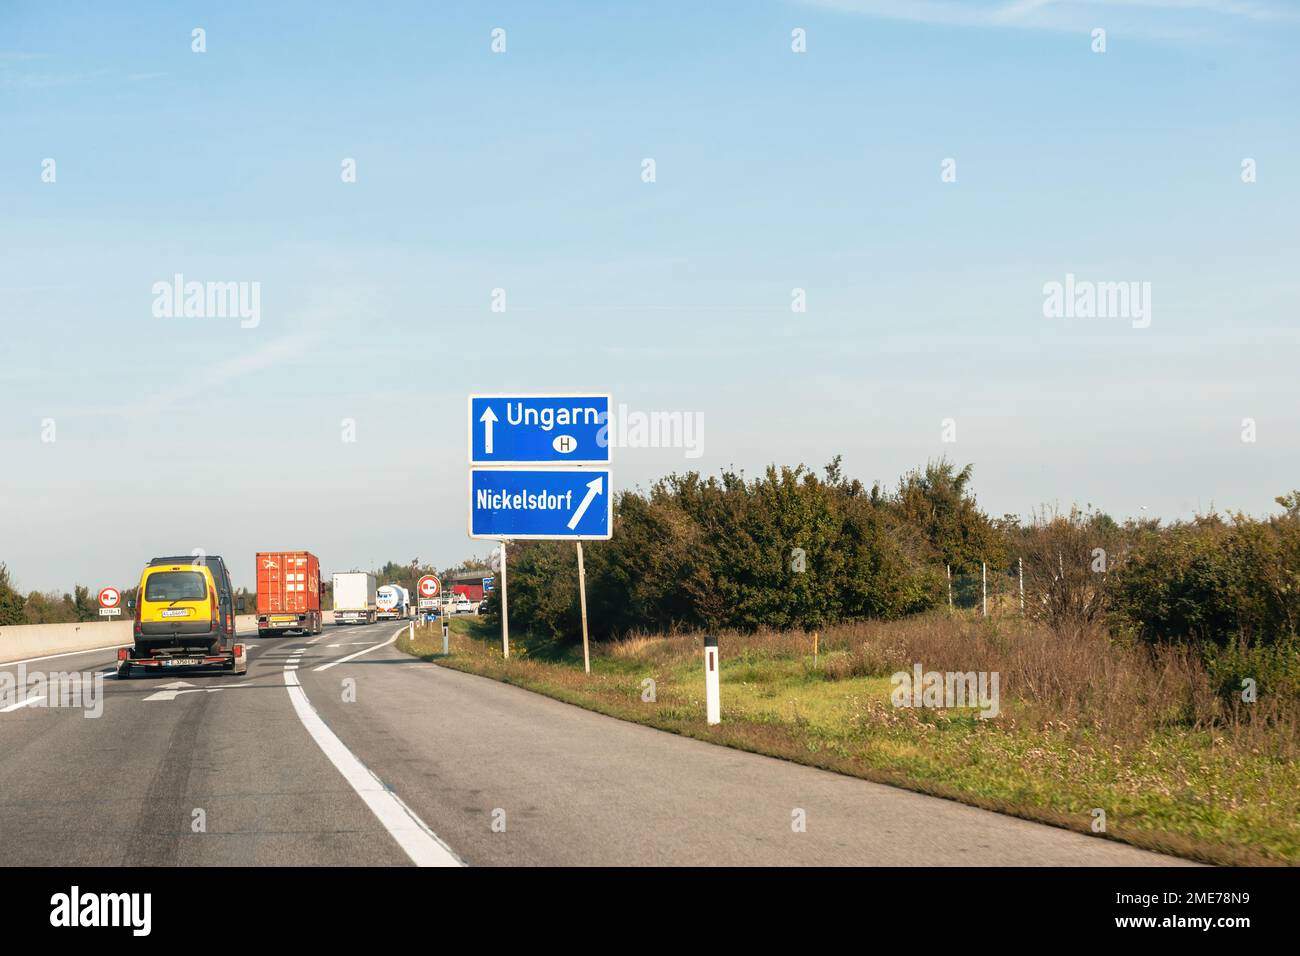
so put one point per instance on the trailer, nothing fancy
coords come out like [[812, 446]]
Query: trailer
[[355, 598], [134, 659], [289, 591], [392, 602]]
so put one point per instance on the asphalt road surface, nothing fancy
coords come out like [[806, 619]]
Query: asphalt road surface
[[312, 758]]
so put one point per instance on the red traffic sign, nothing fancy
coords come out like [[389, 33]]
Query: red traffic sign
[[429, 586], [109, 597]]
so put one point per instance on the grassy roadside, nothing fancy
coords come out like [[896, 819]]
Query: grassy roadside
[[1206, 794]]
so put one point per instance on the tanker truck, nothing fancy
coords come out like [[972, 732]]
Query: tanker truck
[[392, 601]]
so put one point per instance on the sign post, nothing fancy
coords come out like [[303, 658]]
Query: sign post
[[505, 615], [582, 599]]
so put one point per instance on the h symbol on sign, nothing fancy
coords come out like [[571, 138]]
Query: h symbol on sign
[[564, 443]]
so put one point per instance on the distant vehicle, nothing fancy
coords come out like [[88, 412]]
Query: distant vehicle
[[462, 605], [393, 601], [288, 592], [184, 617], [354, 598], [482, 606]]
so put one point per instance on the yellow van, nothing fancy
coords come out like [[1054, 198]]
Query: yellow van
[[183, 604], [183, 616]]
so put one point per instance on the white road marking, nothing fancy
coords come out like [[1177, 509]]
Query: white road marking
[[176, 688], [373, 647], [50, 657], [412, 834], [25, 702]]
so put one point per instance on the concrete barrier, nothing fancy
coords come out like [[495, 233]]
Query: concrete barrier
[[19, 642]]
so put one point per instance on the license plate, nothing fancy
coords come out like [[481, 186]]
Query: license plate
[[176, 612], [284, 620], [181, 662]]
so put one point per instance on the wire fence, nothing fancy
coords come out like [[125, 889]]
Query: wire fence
[[998, 589]]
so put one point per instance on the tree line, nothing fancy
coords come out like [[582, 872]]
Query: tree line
[[795, 549]]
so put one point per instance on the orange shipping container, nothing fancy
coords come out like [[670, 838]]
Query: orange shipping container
[[288, 582]]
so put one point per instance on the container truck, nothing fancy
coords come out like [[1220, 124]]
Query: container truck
[[354, 598], [393, 601], [289, 592]]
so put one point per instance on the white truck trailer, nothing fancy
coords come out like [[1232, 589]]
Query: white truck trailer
[[354, 598]]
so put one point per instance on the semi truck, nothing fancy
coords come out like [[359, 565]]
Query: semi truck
[[289, 592], [354, 598], [393, 601]]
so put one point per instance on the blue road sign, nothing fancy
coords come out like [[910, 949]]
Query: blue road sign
[[539, 429], [487, 584], [572, 504]]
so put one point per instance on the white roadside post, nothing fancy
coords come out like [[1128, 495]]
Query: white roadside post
[[410, 631], [445, 651], [582, 599], [505, 615], [712, 704]]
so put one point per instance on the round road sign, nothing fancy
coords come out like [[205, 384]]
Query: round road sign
[[429, 586], [109, 597]]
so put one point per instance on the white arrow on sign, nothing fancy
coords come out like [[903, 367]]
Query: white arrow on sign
[[487, 418], [593, 489]]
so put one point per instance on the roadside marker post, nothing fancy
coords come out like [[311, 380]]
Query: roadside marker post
[[713, 706], [444, 636]]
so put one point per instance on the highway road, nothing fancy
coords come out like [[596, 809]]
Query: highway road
[[338, 749]]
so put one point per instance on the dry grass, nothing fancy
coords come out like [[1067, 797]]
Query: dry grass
[[1085, 722]]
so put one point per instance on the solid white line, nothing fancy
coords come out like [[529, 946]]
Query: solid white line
[[50, 657], [26, 702], [412, 834], [344, 660]]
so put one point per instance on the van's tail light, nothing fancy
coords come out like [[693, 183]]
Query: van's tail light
[[122, 654], [216, 615]]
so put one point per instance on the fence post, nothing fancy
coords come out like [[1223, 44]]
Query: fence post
[[984, 571], [1021, 563]]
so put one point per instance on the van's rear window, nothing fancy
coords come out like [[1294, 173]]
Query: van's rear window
[[175, 586]]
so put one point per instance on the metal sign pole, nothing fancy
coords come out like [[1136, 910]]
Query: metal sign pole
[[582, 599], [505, 614]]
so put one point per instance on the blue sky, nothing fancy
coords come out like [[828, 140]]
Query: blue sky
[[522, 171]]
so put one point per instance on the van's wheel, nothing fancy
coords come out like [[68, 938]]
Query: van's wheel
[[124, 672]]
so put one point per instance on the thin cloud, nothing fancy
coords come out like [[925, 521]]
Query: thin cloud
[[1164, 18]]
